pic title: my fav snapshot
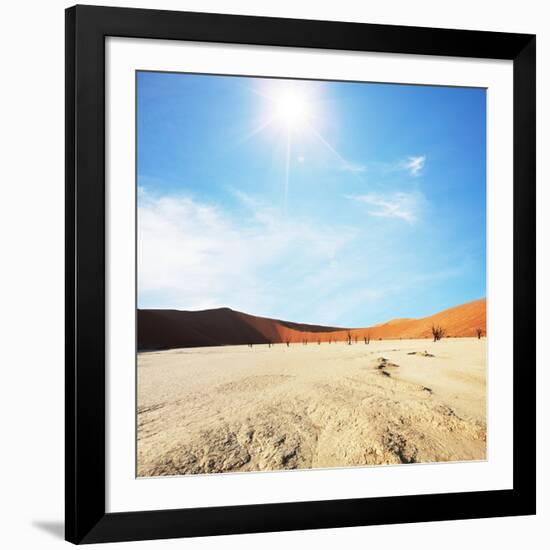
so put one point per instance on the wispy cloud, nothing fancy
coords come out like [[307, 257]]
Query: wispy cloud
[[196, 255], [354, 167], [193, 255], [414, 165], [400, 205]]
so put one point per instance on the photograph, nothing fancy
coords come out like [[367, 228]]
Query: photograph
[[310, 274]]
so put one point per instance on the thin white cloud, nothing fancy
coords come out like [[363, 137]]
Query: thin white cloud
[[400, 205], [196, 255], [414, 165], [193, 255], [353, 167]]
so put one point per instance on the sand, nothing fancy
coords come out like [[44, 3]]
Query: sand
[[235, 408]]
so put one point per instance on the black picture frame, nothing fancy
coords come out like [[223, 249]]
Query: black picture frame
[[85, 515]]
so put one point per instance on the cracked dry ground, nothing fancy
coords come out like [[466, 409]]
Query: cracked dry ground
[[230, 409]]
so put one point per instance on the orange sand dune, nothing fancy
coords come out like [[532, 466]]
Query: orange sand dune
[[164, 329]]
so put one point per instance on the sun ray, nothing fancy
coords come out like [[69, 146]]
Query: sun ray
[[292, 109], [334, 151], [287, 171], [328, 145], [260, 128]]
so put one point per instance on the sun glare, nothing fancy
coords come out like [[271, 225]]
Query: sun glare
[[292, 109]]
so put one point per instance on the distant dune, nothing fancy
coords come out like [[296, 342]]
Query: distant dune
[[165, 329]]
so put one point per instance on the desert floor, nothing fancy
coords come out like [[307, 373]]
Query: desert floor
[[228, 409]]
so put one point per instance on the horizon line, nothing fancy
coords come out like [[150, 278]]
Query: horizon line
[[314, 324]]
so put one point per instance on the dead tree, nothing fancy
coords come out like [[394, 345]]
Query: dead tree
[[438, 332], [479, 333], [367, 339], [287, 343], [349, 338], [356, 339]]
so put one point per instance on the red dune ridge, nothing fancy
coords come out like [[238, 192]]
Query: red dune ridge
[[166, 329]]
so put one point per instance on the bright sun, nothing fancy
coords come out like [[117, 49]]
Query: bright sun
[[292, 109]]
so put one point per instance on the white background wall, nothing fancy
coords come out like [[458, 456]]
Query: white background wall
[[31, 270]]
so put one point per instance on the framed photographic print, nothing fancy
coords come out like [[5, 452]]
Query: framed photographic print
[[300, 274]]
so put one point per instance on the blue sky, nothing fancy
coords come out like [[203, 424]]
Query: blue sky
[[324, 202]]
